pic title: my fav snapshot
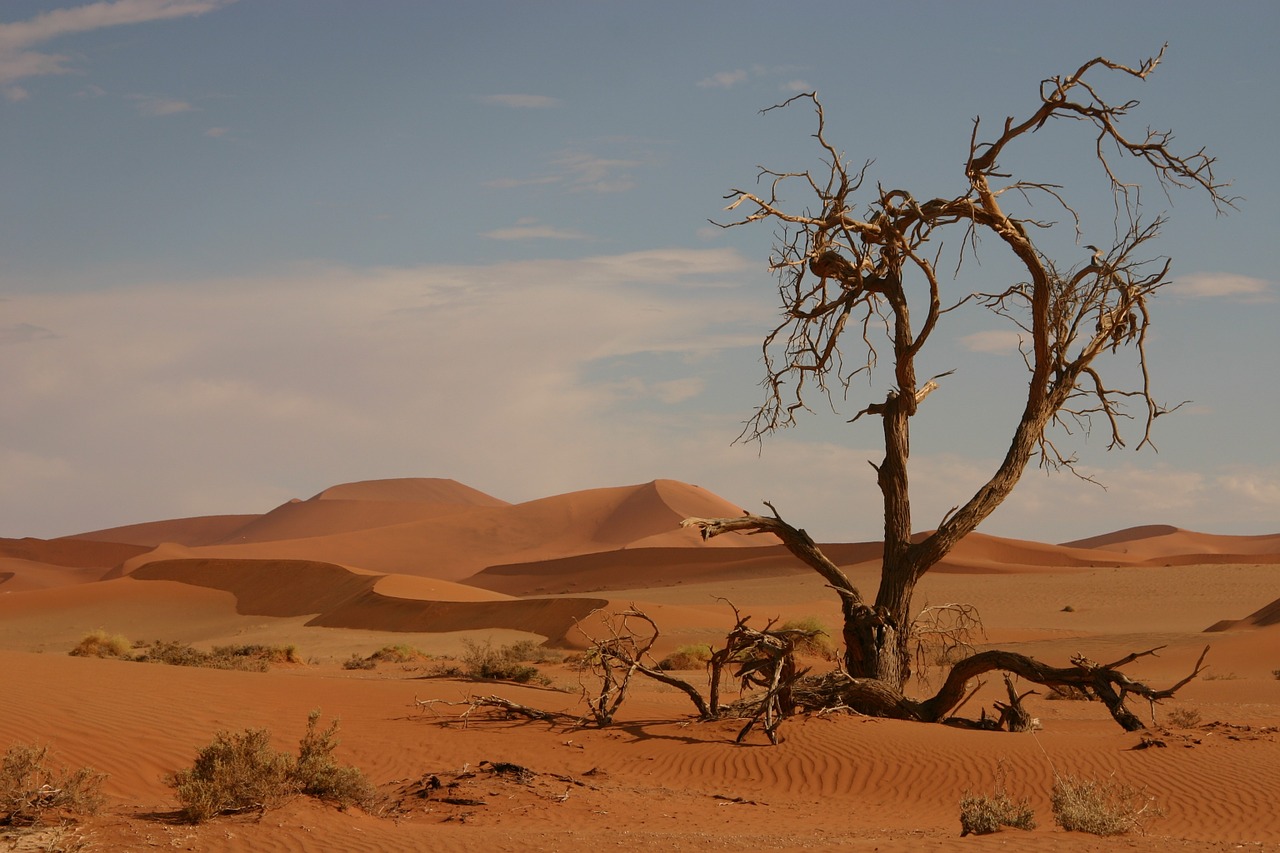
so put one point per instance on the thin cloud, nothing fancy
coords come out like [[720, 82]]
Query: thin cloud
[[587, 172], [534, 232], [18, 60], [535, 102], [16, 93], [993, 341], [148, 105], [723, 79], [1221, 285]]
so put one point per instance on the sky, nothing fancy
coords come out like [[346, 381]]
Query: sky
[[250, 249]]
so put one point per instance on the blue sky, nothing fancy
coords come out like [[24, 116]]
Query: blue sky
[[252, 249]]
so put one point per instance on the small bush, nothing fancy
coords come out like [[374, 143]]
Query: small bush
[[686, 657], [29, 787], [1183, 718], [982, 815], [1276, 673], [241, 772], [99, 644], [357, 662], [235, 773], [267, 654], [502, 664], [1068, 609], [399, 653], [819, 644], [318, 775], [1099, 808], [247, 658]]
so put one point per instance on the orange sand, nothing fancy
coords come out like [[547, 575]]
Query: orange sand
[[431, 563]]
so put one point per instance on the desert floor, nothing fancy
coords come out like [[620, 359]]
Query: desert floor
[[656, 779]]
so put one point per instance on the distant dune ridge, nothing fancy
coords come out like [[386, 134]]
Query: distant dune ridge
[[422, 554]]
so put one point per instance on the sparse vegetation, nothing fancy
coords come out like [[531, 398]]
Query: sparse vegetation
[[983, 814], [1183, 718], [1105, 807], [240, 772], [816, 638], [686, 657], [248, 658], [505, 663], [357, 662], [399, 653], [30, 787], [100, 644], [318, 775]]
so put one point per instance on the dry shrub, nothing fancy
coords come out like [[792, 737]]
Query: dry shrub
[[357, 662], [399, 653], [30, 787], [247, 658], [100, 644], [318, 775], [818, 643], [686, 657], [506, 663], [241, 772], [235, 773], [1100, 807], [981, 814], [1183, 718]]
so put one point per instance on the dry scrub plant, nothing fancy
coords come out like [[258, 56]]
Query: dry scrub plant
[[1098, 807], [983, 814], [100, 644], [30, 787], [240, 772]]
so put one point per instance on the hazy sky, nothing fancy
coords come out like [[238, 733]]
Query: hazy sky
[[252, 249]]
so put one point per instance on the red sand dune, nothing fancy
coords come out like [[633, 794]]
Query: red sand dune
[[363, 565]]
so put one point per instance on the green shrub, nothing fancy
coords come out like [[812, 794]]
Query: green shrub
[[29, 787], [982, 815], [1099, 808], [99, 644], [241, 772]]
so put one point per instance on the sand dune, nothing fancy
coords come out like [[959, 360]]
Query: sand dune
[[362, 565]]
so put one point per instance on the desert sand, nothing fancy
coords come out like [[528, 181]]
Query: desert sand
[[434, 564]]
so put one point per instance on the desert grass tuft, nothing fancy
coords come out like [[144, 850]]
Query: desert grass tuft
[[100, 644], [1098, 807]]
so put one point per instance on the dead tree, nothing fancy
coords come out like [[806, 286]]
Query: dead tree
[[866, 262], [615, 659]]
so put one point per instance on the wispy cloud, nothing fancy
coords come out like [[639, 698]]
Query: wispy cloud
[[149, 105], [19, 59], [1221, 285], [15, 93], [992, 341], [521, 101], [533, 230], [586, 170], [723, 79], [729, 79]]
